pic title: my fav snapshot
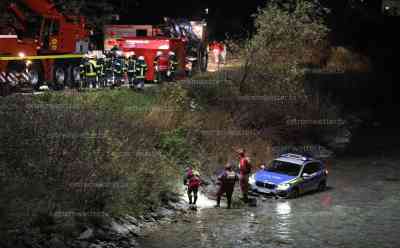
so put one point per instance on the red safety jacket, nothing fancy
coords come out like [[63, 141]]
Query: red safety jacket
[[244, 166], [194, 182]]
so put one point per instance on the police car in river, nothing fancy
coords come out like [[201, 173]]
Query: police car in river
[[290, 175]]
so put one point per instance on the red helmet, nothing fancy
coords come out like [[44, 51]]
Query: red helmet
[[241, 151]]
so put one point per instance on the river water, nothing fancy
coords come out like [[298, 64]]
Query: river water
[[361, 208]]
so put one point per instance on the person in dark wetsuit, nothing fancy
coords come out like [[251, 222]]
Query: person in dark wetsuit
[[226, 180]]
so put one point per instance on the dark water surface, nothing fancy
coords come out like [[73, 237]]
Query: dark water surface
[[361, 208]]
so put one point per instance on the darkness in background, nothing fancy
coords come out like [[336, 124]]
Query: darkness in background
[[357, 24]]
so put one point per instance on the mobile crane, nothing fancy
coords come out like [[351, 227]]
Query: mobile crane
[[51, 55]]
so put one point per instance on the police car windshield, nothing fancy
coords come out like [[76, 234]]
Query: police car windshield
[[284, 168]]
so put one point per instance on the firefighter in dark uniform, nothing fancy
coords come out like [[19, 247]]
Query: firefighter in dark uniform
[[226, 182], [101, 71], [173, 66], [118, 68], [89, 70], [108, 71], [141, 69], [131, 61], [160, 67]]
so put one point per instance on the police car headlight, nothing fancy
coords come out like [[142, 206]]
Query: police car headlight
[[252, 179], [284, 186]]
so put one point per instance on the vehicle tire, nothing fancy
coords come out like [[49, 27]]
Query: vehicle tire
[[59, 77], [203, 60], [36, 76], [322, 186], [74, 76], [294, 193]]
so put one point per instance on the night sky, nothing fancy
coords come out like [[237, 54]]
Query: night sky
[[233, 17], [224, 16]]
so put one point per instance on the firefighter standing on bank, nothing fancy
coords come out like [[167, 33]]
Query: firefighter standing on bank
[[89, 71], [160, 67], [118, 68], [108, 71], [101, 71], [245, 170], [131, 62], [173, 65], [141, 69], [226, 182]]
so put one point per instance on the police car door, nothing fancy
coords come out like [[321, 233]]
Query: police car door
[[311, 176]]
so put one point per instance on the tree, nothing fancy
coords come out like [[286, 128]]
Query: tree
[[97, 12], [288, 33]]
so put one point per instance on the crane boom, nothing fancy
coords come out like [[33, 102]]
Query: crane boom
[[43, 7]]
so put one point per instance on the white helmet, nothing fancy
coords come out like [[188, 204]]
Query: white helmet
[[141, 58], [159, 53], [171, 53], [90, 56]]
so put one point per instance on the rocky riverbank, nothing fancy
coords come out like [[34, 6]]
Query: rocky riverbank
[[114, 232]]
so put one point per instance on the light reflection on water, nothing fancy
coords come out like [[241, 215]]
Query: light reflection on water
[[282, 226], [202, 200]]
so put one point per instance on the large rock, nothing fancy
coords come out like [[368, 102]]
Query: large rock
[[87, 234], [83, 244], [164, 212], [131, 219], [57, 243], [125, 229]]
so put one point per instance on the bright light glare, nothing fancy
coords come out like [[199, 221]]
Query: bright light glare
[[21, 55], [252, 179], [283, 186], [283, 208]]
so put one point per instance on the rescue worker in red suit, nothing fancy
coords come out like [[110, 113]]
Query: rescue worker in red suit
[[161, 66], [192, 181], [226, 182], [245, 170]]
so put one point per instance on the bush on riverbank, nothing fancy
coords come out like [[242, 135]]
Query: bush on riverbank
[[79, 157]]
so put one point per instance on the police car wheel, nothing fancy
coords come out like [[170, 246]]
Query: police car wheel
[[294, 193], [322, 186]]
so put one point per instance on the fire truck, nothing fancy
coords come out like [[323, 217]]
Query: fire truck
[[187, 39], [50, 55]]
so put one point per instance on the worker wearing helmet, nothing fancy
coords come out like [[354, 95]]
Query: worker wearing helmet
[[114, 50], [108, 68], [226, 182], [245, 170], [101, 71], [141, 69], [173, 65], [118, 68], [193, 182], [131, 61], [160, 66], [89, 69]]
